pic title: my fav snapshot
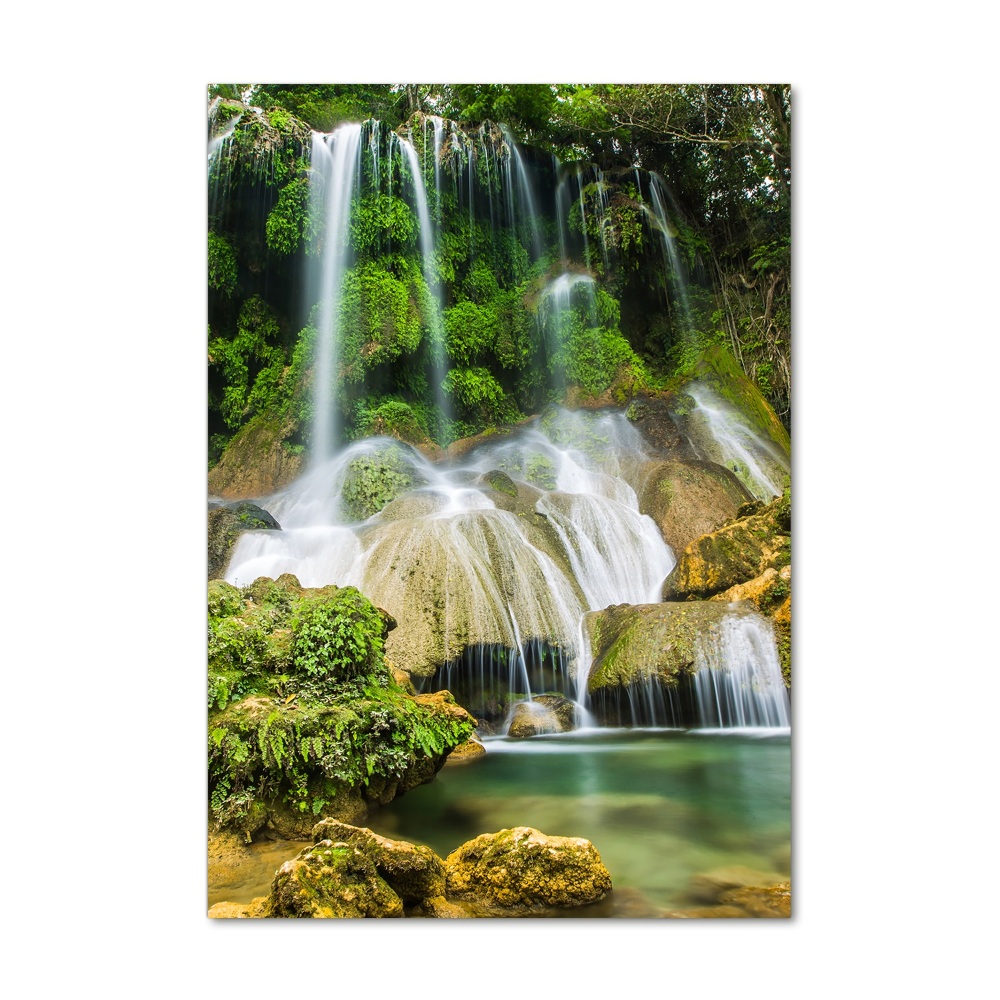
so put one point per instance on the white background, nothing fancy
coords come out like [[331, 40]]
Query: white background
[[894, 380]]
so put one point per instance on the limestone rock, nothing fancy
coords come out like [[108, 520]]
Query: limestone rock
[[735, 553], [257, 461], [545, 714], [413, 872], [465, 752], [660, 429], [332, 879], [636, 643], [225, 524], [689, 499], [523, 869]]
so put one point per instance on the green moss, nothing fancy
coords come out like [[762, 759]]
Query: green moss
[[373, 480], [222, 270]]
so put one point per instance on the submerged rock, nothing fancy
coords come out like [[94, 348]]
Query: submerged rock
[[523, 869], [689, 499], [225, 524], [544, 714], [713, 886], [735, 553]]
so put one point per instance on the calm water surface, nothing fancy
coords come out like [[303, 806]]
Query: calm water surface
[[659, 806]]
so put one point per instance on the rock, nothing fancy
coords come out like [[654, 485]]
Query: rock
[[545, 714], [255, 908], [689, 499], [711, 887], [635, 643], [332, 879], [225, 524], [762, 901], [523, 869], [257, 461], [468, 751], [376, 478], [413, 873], [659, 427], [770, 593], [735, 553]]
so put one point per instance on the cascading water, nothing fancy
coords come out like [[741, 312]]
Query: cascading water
[[675, 275], [335, 164], [723, 436], [738, 682]]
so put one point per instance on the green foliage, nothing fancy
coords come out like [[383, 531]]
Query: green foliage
[[470, 331], [480, 397], [372, 480], [390, 417], [338, 637], [380, 220], [383, 308], [252, 364], [222, 270], [302, 732], [540, 470], [290, 223]]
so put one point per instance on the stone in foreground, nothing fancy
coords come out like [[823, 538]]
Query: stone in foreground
[[524, 869]]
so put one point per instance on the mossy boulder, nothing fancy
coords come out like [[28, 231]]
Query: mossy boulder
[[332, 879], [634, 644], [735, 553], [258, 461], [374, 479], [305, 718], [523, 869], [413, 872], [689, 499], [546, 713], [226, 522]]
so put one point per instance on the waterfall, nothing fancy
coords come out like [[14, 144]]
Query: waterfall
[[738, 681], [335, 163], [722, 435], [675, 277]]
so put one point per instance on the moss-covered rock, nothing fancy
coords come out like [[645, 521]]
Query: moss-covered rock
[[465, 752], [413, 872], [688, 499], [332, 880], [226, 523], [373, 480], [258, 461], [305, 719], [546, 713], [633, 644], [735, 553], [523, 869]]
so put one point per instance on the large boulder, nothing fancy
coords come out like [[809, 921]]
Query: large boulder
[[659, 426], [226, 522], [633, 644], [546, 713], [735, 553], [258, 460], [523, 869], [413, 872], [332, 879], [689, 499]]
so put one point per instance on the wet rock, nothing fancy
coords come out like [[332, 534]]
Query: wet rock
[[660, 429], [545, 714], [225, 524], [523, 869], [712, 886], [468, 751], [374, 479], [689, 499], [332, 879], [735, 553], [635, 643], [255, 908], [414, 873], [762, 901], [258, 460]]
